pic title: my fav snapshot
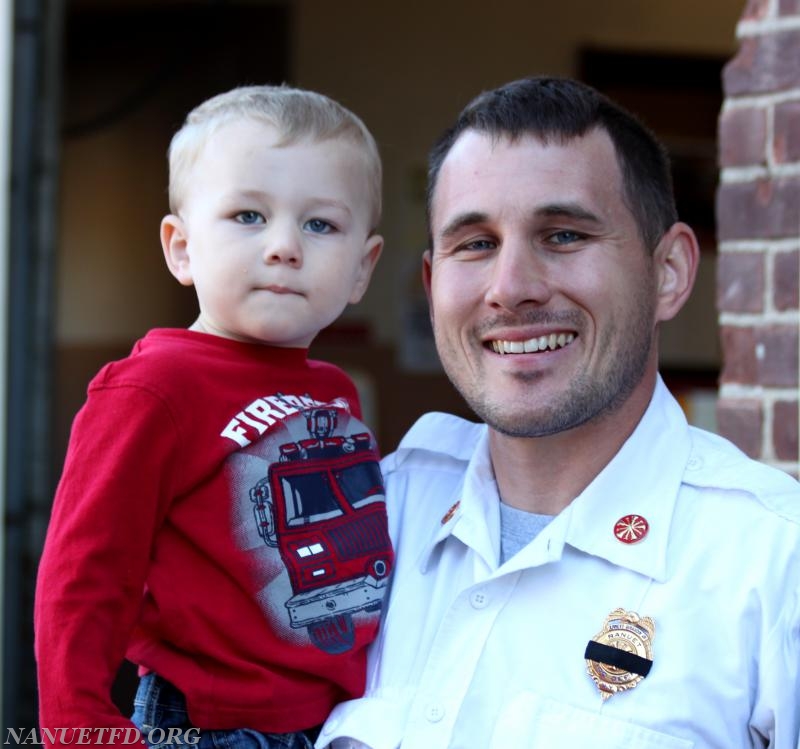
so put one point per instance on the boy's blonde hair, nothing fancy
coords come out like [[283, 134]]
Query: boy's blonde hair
[[296, 114]]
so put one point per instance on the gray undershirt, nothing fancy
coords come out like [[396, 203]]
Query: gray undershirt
[[517, 529]]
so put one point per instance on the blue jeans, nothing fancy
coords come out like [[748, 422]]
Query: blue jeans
[[159, 712]]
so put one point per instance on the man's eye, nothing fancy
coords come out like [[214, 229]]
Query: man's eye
[[479, 245], [250, 217], [564, 237], [319, 226]]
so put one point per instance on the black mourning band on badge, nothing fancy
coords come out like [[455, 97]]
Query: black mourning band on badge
[[616, 658]]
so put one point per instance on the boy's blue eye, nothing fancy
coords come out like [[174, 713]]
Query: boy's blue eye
[[250, 217], [318, 226]]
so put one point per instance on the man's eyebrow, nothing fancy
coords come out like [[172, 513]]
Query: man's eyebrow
[[551, 210], [568, 210], [456, 224]]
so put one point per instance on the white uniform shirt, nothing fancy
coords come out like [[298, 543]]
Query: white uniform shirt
[[476, 656]]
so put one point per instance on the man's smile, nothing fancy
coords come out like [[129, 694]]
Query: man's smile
[[541, 343]]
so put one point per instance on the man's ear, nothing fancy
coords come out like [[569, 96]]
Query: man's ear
[[426, 278], [676, 258], [372, 251], [175, 243]]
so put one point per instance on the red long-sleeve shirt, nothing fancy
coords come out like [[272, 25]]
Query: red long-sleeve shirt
[[202, 530]]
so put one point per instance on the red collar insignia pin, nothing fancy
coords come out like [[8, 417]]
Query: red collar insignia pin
[[631, 529]]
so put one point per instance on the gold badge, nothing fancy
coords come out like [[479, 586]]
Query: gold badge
[[620, 656]]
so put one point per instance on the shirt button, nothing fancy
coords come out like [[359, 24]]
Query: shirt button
[[331, 726], [434, 712], [694, 463], [479, 600]]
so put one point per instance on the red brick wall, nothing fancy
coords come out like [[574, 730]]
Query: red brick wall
[[758, 225]]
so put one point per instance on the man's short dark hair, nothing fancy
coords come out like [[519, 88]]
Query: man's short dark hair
[[560, 109]]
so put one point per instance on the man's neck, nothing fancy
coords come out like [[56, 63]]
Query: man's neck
[[544, 474]]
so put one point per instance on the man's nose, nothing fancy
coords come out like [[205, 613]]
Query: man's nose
[[283, 246], [518, 276]]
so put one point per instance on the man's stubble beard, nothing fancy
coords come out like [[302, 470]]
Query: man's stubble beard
[[587, 397]]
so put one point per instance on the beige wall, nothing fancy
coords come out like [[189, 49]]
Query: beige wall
[[406, 68], [112, 282]]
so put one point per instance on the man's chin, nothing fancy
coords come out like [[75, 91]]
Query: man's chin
[[563, 412], [530, 426]]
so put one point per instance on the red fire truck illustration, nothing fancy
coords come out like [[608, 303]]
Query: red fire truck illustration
[[322, 506]]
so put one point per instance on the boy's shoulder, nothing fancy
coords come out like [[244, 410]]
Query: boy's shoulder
[[160, 355]]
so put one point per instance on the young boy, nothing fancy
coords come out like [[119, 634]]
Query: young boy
[[220, 520]]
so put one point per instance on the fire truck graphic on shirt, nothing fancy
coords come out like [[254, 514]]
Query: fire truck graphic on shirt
[[321, 505]]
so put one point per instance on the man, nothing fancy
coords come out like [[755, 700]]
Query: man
[[585, 569]]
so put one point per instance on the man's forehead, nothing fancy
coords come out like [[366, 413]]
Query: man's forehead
[[474, 146], [478, 145], [554, 169]]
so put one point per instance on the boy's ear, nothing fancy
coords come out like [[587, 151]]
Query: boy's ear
[[676, 257], [175, 243], [372, 251]]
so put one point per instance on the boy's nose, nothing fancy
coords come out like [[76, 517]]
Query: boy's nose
[[283, 246]]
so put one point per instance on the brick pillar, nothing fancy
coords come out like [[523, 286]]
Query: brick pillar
[[758, 227]]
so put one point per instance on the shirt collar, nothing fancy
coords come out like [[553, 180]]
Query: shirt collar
[[642, 479], [474, 516]]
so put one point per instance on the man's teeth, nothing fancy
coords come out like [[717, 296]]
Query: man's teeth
[[542, 343]]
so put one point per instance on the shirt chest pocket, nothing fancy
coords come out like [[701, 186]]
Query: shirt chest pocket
[[531, 721]]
